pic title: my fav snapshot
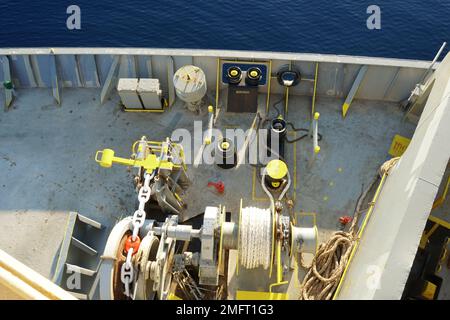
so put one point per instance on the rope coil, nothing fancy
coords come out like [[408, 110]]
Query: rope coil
[[255, 238], [327, 267], [332, 257]]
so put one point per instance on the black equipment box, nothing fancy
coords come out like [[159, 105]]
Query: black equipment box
[[242, 99]]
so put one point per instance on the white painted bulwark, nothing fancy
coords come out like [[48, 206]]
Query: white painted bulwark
[[387, 248], [386, 79]]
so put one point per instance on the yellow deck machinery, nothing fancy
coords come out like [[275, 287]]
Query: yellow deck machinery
[[146, 259]]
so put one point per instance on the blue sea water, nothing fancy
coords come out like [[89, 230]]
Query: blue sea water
[[412, 29]]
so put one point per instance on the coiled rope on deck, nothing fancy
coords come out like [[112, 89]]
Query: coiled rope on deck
[[255, 245], [331, 258]]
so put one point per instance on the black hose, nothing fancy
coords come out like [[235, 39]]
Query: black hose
[[274, 106], [262, 122], [278, 110], [296, 139], [300, 130]]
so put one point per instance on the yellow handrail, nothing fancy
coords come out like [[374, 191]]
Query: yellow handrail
[[361, 230]]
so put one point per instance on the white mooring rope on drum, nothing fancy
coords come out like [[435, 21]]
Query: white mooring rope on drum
[[255, 238]]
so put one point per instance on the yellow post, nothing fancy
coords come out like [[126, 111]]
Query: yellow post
[[287, 94], [272, 254], [239, 238], [268, 86], [210, 125], [280, 281], [313, 109], [279, 265], [316, 132], [217, 83]]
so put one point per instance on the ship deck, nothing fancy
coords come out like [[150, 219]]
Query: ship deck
[[47, 166]]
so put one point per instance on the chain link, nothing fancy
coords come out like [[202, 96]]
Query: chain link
[[127, 273], [138, 220], [143, 197]]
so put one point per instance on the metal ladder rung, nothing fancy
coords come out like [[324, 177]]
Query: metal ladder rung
[[84, 247], [90, 222], [85, 271], [78, 295]]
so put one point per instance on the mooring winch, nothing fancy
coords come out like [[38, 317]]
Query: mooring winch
[[144, 256], [259, 236]]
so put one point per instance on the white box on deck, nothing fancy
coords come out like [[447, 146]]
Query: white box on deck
[[150, 93], [127, 89]]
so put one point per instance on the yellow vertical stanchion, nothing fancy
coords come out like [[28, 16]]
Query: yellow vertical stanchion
[[279, 266], [217, 83], [286, 101], [268, 86], [295, 167], [222, 218], [286, 108], [280, 281], [315, 131], [239, 238], [273, 241], [313, 108]]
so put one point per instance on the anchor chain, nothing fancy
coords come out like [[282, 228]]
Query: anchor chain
[[127, 272]]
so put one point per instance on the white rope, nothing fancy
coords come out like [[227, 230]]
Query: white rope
[[255, 238]]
